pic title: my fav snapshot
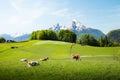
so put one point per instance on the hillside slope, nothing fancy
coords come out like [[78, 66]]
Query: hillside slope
[[95, 64], [54, 49], [114, 35]]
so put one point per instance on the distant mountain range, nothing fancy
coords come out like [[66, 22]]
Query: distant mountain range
[[22, 37], [79, 29], [74, 26]]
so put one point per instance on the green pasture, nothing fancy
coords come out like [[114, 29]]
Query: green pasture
[[98, 63]]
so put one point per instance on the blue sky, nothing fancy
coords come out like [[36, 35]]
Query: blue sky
[[29, 15]]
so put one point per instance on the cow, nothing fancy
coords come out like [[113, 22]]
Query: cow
[[32, 63], [76, 57], [44, 59]]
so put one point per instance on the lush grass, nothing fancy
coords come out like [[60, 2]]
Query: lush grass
[[60, 66]]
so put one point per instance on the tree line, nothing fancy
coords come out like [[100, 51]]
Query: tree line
[[69, 36], [3, 40], [63, 35], [87, 39], [43, 35]]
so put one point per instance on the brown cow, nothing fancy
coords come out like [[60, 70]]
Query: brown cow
[[76, 56], [44, 59]]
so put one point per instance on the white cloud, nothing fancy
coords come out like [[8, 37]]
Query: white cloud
[[13, 20], [43, 8], [66, 13], [25, 15], [16, 4], [61, 13]]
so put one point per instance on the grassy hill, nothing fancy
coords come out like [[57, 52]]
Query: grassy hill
[[98, 63]]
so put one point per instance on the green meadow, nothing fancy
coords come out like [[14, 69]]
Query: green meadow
[[97, 63]]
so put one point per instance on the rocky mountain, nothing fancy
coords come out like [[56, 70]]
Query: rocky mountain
[[22, 37], [79, 29], [74, 26]]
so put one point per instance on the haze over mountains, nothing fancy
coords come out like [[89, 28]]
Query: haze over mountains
[[74, 26], [18, 37]]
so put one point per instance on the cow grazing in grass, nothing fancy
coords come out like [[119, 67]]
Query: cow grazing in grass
[[23, 60], [13, 47], [32, 63], [44, 59], [76, 56]]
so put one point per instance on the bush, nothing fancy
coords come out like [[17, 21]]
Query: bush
[[87, 39], [2, 40], [67, 36], [10, 41], [43, 35]]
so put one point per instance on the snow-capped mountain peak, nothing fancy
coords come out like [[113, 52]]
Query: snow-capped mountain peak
[[17, 34], [79, 29], [76, 25]]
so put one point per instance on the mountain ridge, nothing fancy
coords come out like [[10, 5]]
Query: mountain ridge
[[74, 26], [79, 29], [22, 37]]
